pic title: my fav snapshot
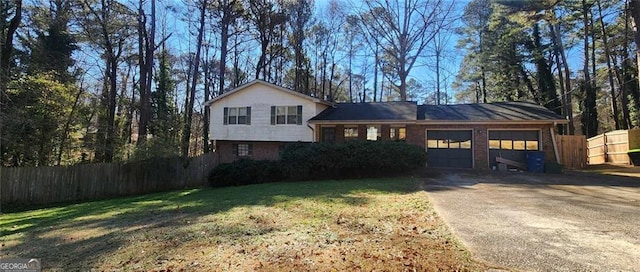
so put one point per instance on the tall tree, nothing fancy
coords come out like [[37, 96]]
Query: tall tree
[[588, 90], [403, 29], [107, 25], [10, 17], [300, 16], [194, 64], [227, 12], [265, 17], [146, 52], [54, 45]]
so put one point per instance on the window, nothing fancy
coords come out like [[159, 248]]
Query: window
[[398, 134], [286, 115], [242, 150], [373, 132], [237, 116], [513, 140], [449, 139], [350, 133]]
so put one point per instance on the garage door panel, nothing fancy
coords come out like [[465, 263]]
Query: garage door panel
[[449, 148], [512, 144]]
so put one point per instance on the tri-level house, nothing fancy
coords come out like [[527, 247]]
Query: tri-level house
[[255, 120]]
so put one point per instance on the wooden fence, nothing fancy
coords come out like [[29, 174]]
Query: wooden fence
[[572, 151], [43, 185], [612, 147]]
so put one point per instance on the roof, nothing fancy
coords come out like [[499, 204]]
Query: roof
[[488, 112], [372, 111], [405, 112], [258, 81]]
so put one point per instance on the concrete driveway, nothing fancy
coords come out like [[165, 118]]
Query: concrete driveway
[[543, 222]]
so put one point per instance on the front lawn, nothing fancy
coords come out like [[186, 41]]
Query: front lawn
[[367, 224]]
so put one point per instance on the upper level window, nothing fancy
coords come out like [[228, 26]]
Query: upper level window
[[373, 132], [283, 115], [398, 134], [237, 116]]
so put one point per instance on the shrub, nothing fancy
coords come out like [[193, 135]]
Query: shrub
[[350, 159], [244, 172]]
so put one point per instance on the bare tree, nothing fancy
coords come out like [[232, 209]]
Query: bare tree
[[403, 29], [191, 94], [146, 51], [107, 26], [227, 11]]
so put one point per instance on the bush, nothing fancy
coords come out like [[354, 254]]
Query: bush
[[244, 172], [352, 159]]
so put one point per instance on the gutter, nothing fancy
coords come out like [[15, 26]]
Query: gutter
[[422, 122]]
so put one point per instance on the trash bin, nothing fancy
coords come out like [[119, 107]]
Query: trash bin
[[535, 162]]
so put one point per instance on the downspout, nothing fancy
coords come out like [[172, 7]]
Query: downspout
[[313, 132], [555, 146]]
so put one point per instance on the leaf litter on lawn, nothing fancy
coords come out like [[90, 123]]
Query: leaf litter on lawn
[[362, 230]]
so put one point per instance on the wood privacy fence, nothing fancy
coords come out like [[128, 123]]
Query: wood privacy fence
[[612, 147], [43, 185], [572, 151]]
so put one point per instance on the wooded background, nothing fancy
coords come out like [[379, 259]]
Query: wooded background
[[116, 81]]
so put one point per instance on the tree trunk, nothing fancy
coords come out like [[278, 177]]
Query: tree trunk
[[207, 96], [555, 32], [186, 136], [589, 109], [634, 8], [224, 41], [7, 50], [67, 125], [375, 75], [614, 104], [562, 129]]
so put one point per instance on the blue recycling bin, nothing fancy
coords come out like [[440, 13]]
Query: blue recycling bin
[[535, 161]]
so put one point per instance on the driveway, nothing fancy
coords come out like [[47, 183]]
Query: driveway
[[543, 222]]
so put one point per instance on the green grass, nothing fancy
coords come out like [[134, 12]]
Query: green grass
[[254, 227]]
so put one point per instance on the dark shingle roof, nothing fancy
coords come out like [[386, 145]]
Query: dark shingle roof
[[411, 112], [383, 111], [501, 111]]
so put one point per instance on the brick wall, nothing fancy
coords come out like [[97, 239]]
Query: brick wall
[[416, 135], [261, 150]]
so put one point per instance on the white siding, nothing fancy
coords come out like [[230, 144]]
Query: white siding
[[260, 98]]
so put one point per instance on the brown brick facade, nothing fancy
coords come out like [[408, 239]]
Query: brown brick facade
[[416, 135], [260, 150]]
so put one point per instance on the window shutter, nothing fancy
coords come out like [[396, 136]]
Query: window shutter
[[234, 149], [226, 115], [273, 115], [250, 147], [248, 115], [299, 115]]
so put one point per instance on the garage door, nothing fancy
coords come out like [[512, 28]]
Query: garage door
[[449, 148], [512, 144]]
